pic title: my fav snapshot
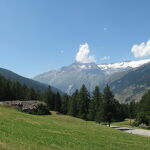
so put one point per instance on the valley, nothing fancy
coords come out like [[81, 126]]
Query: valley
[[20, 131], [74, 75]]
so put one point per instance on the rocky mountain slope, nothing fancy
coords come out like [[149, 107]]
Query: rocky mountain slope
[[132, 84], [70, 78]]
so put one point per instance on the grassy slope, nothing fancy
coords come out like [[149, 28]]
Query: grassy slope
[[19, 131], [125, 123]]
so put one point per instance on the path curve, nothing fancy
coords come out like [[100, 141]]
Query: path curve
[[142, 132]]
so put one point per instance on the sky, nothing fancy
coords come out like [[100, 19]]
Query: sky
[[37, 36]]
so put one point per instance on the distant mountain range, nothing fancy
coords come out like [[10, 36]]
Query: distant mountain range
[[72, 77], [128, 80], [28, 82], [123, 78]]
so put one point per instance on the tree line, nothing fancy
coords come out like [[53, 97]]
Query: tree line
[[13, 90], [96, 106], [140, 111]]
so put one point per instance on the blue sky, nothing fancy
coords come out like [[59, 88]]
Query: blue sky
[[40, 35]]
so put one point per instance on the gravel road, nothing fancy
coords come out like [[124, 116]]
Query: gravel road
[[133, 131]]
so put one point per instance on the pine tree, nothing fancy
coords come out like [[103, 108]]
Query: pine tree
[[83, 102], [58, 102], [132, 110], [7, 90], [65, 104], [143, 110], [95, 106], [74, 104], [108, 106], [98, 117], [92, 110], [48, 97]]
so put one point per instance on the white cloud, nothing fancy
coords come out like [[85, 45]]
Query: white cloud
[[141, 50], [105, 58], [83, 54]]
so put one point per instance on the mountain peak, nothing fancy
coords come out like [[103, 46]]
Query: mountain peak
[[79, 65], [70, 78]]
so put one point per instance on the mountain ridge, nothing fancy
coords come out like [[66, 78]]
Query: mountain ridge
[[23, 80], [69, 78], [73, 76], [133, 84]]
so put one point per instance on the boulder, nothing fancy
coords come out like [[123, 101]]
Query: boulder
[[31, 107]]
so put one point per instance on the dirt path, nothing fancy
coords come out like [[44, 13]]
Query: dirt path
[[133, 131]]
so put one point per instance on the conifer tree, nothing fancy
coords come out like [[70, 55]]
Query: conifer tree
[[108, 106], [58, 102], [65, 104], [74, 104], [83, 102], [91, 110], [143, 110], [48, 97], [95, 104]]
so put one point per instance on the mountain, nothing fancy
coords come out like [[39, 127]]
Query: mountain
[[28, 82], [131, 85], [70, 78], [110, 69]]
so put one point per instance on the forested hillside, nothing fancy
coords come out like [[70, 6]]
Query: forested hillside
[[98, 106]]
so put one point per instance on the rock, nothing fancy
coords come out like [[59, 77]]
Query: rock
[[31, 107]]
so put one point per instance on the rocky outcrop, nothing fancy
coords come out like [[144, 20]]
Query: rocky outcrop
[[31, 107]]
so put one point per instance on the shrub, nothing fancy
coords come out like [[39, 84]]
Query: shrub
[[42, 109], [142, 118]]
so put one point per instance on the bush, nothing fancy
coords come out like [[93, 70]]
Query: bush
[[142, 118], [42, 109], [144, 126]]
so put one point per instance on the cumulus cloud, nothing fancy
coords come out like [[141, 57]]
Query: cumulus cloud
[[105, 58], [141, 50], [83, 54]]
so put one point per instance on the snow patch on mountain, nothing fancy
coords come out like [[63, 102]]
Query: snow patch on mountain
[[85, 66], [122, 66]]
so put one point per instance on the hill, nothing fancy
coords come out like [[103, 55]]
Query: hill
[[20, 131], [28, 82]]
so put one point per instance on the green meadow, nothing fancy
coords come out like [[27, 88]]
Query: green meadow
[[20, 131]]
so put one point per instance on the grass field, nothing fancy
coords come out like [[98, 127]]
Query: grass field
[[125, 123], [20, 131]]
